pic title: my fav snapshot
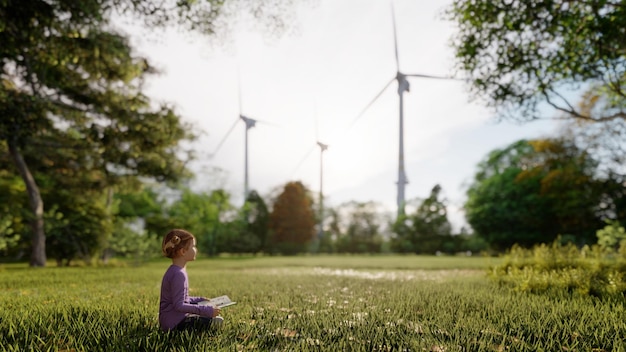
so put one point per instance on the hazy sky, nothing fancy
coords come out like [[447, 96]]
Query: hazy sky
[[312, 83]]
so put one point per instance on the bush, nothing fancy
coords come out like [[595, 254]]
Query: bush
[[595, 271], [611, 235]]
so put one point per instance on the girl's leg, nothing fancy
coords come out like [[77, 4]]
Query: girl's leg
[[197, 322]]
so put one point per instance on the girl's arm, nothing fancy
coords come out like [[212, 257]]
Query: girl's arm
[[178, 299], [194, 299]]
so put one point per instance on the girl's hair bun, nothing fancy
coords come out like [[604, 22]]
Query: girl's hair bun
[[174, 241]]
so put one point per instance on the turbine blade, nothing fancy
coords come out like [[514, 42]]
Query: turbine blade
[[251, 121], [263, 122], [302, 161], [395, 37], [239, 90], [224, 138], [316, 123], [433, 77], [370, 103]]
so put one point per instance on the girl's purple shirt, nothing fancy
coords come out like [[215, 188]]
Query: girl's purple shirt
[[175, 303]]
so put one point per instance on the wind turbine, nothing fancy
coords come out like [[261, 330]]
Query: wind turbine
[[323, 147], [403, 86], [250, 123]]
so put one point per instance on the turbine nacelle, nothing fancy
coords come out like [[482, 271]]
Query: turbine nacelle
[[403, 83], [249, 122]]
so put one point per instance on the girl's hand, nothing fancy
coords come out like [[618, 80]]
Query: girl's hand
[[216, 311]]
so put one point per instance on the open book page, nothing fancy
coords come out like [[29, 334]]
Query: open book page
[[220, 302]]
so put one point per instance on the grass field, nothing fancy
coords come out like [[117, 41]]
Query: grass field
[[347, 303]]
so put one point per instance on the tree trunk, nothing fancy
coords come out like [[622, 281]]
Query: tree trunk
[[38, 255]]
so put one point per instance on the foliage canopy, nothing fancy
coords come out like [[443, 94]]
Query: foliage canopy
[[532, 191], [520, 54], [72, 109]]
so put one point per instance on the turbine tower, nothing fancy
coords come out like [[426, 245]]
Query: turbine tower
[[250, 122], [323, 147], [403, 86]]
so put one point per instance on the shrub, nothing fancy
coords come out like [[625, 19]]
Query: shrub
[[564, 268], [611, 235]]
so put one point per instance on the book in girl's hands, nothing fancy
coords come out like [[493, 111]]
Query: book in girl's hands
[[219, 302]]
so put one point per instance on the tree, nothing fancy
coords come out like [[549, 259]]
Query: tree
[[425, 230], [257, 219], [532, 191], [200, 213], [605, 141], [520, 54], [238, 230], [77, 218], [327, 243], [142, 203], [71, 84], [73, 89], [362, 227], [12, 215], [139, 221], [76, 227], [292, 221]]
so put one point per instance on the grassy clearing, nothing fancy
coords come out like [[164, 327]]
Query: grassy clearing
[[303, 303], [359, 262]]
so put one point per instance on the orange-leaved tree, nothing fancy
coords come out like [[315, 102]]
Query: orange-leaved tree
[[292, 221]]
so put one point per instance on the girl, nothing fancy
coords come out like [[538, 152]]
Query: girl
[[178, 310]]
